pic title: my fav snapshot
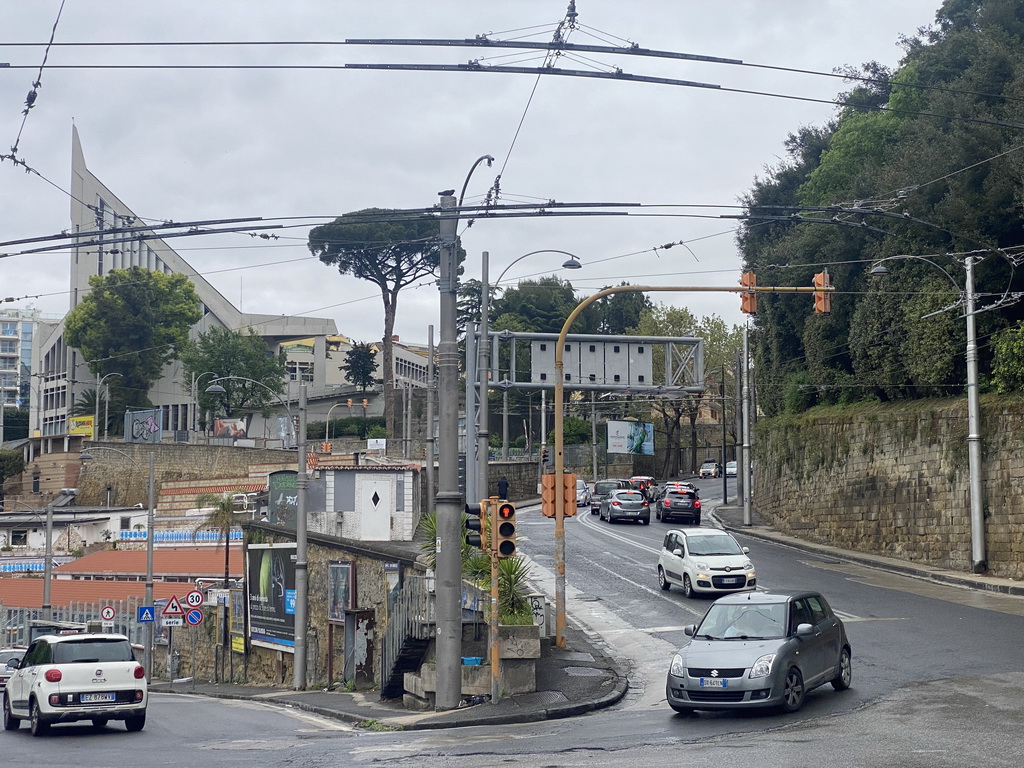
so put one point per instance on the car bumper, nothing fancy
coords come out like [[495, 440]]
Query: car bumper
[[644, 516], [738, 693], [718, 585], [70, 709], [681, 514]]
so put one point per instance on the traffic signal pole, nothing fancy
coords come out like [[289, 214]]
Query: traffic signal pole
[[559, 407]]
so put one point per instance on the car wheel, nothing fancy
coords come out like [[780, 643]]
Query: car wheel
[[37, 724], [793, 691], [696, 521], [682, 710], [646, 520], [99, 722], [11, 723], [662, 581], [134, 724], [844, 676], [687, 586]]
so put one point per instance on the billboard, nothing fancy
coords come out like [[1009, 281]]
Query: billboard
[[229, 428], [80, 425], [143, 426], [636, 437], [270, 586]]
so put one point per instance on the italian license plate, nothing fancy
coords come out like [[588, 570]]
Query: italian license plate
[[730, 581], [714, 682], [97, 698]]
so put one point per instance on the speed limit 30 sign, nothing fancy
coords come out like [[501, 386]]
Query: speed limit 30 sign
[[195, 599]]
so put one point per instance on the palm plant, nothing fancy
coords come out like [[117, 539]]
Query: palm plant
[[221, 518]]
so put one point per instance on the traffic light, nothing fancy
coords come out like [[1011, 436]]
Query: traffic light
[[822, 298], [547, 458], [504, 530], [569, 495], [476, 525], [748, 301], [350, 403], [547, 495]]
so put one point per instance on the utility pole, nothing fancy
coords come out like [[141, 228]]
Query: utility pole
[[301, 550], [483, 435], [430, 415], [448, 545], [746, 427]]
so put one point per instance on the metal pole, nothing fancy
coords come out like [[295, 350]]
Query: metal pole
[[301, 550], [483, 448], [746, 427], [593, 433], [106, 412], [448, 546], [430, 416], [96, 416], [725, 458], [48, 564], [980, 563], [472, 495], [504, 425], [150, 541]]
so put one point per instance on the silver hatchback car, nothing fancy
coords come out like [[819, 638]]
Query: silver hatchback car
[[760, 649]]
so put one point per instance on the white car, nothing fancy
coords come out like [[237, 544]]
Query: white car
[[65, 678], [582, 493], [730, 469], [704, 561], [9, 659]]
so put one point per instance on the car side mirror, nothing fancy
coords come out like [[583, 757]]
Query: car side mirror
[[689, 629], [677, 552], [746, 550], [802, 630]]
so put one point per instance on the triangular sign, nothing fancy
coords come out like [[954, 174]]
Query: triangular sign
[[173, 608]]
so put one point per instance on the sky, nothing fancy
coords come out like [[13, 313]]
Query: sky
[[197, 144]]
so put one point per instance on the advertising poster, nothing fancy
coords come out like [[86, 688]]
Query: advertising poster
[[270, 583], [283, 497], [340, 591], [636, 437], [80, 425], [229, 428]]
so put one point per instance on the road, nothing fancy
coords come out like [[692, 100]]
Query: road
[[937, 676]]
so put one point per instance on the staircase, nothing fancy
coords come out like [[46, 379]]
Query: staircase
[[408, 634]]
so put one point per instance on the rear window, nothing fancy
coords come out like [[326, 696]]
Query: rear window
[[605, 487], [630, 496], [681, 494], [92, 650]]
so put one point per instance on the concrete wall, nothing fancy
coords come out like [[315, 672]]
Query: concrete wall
[[893, 480]]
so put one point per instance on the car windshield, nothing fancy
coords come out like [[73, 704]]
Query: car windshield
[[605, 487], [685, 495], [713, 545], [581, 485], [743, 621], [92, 650]]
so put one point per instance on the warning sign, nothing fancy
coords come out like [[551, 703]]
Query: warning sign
[[173, 607]]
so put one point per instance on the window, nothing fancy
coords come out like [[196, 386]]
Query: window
[[19, 537], [126, 523], [818, 611], [92, 650]]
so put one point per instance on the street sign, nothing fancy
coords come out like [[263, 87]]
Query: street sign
[[172, 621], [145, 613], [194, 616], [107, 613], [173, 608], [195, 599]]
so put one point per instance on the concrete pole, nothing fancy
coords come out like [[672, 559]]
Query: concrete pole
[[593, 433], [301, 550], [430, 417], [483, 447], [747, 489], [150, 543], [980, 563], [48, 564], [96, 416], [504, 425], [472, 495], [449, 505], [725, 458]]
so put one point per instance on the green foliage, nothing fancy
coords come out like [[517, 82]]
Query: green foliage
[[132, 322], [360, 365], [15, 423], [12, 464], [575, 431], [220, 352], [1008, 368], [376, 432], [353, 426], [543, 306], [619, 313], [220, 518]]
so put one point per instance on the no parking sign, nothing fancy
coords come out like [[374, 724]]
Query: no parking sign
[[194, 617]]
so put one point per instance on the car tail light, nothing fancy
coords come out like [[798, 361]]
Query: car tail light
[[696, 504], [53, 676], [668, 503], [646, 504], [616, 504], [139, 672]]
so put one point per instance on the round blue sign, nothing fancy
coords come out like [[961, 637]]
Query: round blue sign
[[194, 616]]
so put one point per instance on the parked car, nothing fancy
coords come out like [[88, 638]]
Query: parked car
[[645, 484], [704, 561], [582, 493], [625, 505], [709, 468], [601, 489], [65, 678], [9, 658], [675, 504], [760, 650], [730, 469]]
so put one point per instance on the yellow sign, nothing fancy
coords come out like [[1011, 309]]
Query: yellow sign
[[238, 644], [80, 425]]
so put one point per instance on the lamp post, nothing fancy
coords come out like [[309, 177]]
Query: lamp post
[[329, 411], [196, 378], [484, 365], [301, 529], [48, 564], [96, 417], [150, 535], [979, 562]]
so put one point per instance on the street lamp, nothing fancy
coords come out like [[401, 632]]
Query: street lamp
[[329, 410], [150, 535], [301, 531], [196, 378], [979, 562], [96, 417], [484, 364]]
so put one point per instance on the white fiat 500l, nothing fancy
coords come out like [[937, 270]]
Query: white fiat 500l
[[704, 560], [65, 678]]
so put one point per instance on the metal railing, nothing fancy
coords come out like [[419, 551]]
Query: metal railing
[[15, 622]]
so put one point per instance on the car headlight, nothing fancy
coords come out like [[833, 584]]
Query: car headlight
[[701, 566], [747, 565], [763, 666], [677, 669]]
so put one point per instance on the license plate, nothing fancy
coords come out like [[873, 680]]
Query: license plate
[[97, 698], [730, 581], [714, 682]]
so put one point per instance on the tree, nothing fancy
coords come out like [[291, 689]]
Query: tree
[[220, 518], [133, 322], [543, 306], [1008, 368], [360, 365], [621, 312], [391, 254], [12, 464], [241, 353]]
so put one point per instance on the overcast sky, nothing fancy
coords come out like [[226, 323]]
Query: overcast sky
[[208, 144]]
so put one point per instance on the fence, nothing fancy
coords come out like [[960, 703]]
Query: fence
[[15, 621]]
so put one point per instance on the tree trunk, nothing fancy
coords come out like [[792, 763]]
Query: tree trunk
[[388, 348]]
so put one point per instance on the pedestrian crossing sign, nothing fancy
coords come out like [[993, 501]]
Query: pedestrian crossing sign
[[146, 613]]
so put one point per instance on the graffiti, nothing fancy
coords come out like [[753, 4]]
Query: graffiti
[[142, 426]]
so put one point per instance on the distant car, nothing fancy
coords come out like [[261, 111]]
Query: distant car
[[675, 485], [645, 484], [760, 649], [9, 659], [65, 678], [709, 468], [625, 505], [582, 493], [676, 504], [704, 561], [730, 469], [601, 489]]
